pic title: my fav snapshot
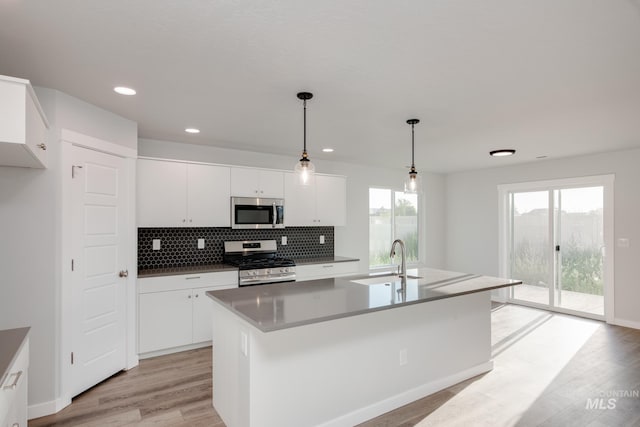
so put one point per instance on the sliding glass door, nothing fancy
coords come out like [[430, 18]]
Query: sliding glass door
[[554, 241]]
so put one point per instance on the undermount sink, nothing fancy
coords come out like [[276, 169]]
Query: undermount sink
[[380, 280]]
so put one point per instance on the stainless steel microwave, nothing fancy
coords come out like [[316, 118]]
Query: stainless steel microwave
[[259, 212]]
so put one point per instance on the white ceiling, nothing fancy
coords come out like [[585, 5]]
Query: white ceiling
[[549, 78]]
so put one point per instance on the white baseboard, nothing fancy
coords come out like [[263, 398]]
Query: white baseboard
[[174, 350], [363, 414], [625, 323], [47, 408]]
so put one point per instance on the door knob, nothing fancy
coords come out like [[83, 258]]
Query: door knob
[[124, 273]]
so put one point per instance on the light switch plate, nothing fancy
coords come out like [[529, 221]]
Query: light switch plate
[[322, 240], [623, 242], [156, 244], [284, 240], [200, 243]]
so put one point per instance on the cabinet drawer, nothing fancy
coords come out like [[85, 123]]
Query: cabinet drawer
[[187, 281], [323, 271]]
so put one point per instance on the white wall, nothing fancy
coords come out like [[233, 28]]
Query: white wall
[[30, 206], [472, 217], [353, 239]]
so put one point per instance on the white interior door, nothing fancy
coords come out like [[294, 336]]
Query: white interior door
[[99, 255]]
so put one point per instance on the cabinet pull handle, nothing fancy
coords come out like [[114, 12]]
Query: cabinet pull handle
[[192, 277], [42, 146], [15, 382], [189, 296], [196, 295], [327, 266], [124, 273]]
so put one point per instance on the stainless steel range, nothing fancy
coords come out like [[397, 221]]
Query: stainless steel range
[[258, 263]]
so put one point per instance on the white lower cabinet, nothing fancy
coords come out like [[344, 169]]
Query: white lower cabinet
[[13, 391], [174, 311], [325, 270]]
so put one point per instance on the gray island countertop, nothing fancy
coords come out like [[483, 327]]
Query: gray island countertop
[[286, 305]]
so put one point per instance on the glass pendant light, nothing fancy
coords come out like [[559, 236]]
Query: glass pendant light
[[304, 168], [413, 182]]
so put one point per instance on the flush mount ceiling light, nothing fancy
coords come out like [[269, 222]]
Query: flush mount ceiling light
[[304, 168], [122, 90], [192, 130], [412, 183], [502, 153]]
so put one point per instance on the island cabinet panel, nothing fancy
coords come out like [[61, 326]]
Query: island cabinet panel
[[23, 125], [249, 182], [321, 203], [345, 371], [174, 312], [325, 270], [176, 194]]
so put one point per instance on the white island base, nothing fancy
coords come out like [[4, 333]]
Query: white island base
[[345, 371]]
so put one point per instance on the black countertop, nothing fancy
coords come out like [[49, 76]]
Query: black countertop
[[214, 268]]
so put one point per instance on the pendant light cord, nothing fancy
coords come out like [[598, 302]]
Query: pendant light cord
[[413, 163], [304, 105]]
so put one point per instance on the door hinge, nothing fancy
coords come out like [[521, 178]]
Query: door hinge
[[72, 357], [72, 265]]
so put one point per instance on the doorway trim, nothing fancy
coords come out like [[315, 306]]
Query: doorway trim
[[607, 182], [69, 139]]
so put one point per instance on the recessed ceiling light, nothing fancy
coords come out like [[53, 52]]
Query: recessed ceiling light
[[124, 90], [327, 150], [502, 153], [192, 130]]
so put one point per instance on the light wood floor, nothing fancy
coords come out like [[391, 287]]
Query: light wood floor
[[548, 369]]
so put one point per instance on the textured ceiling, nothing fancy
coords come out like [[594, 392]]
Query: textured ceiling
[[549, 78]]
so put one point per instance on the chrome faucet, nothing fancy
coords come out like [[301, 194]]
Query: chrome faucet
[[403, 267]]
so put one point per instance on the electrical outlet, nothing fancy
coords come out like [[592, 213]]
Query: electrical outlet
[[200, 243], [244, 343], [156, 244], [322, 240], [403, 357], [284, 240], [623, 242]]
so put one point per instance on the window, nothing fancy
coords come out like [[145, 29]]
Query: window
[[392, 215]]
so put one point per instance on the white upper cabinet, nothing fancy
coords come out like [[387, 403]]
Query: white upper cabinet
[[23, 125], [331, 200], [248, 182], [321, 203], [175, 194]]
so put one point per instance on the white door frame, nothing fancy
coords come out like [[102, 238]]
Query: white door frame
[[68, 139], [606, 181]]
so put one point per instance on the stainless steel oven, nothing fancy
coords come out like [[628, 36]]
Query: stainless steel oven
[[259, 212], [258, 263]]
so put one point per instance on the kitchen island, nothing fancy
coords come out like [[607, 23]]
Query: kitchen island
[[336, 352]]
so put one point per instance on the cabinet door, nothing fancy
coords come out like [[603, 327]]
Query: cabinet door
[[331, 200], [271, 184], [202, 312], [22, 126], [161, 193], [208, 196], [299, 202], [244, 182], [165, 320], [247, 182]]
